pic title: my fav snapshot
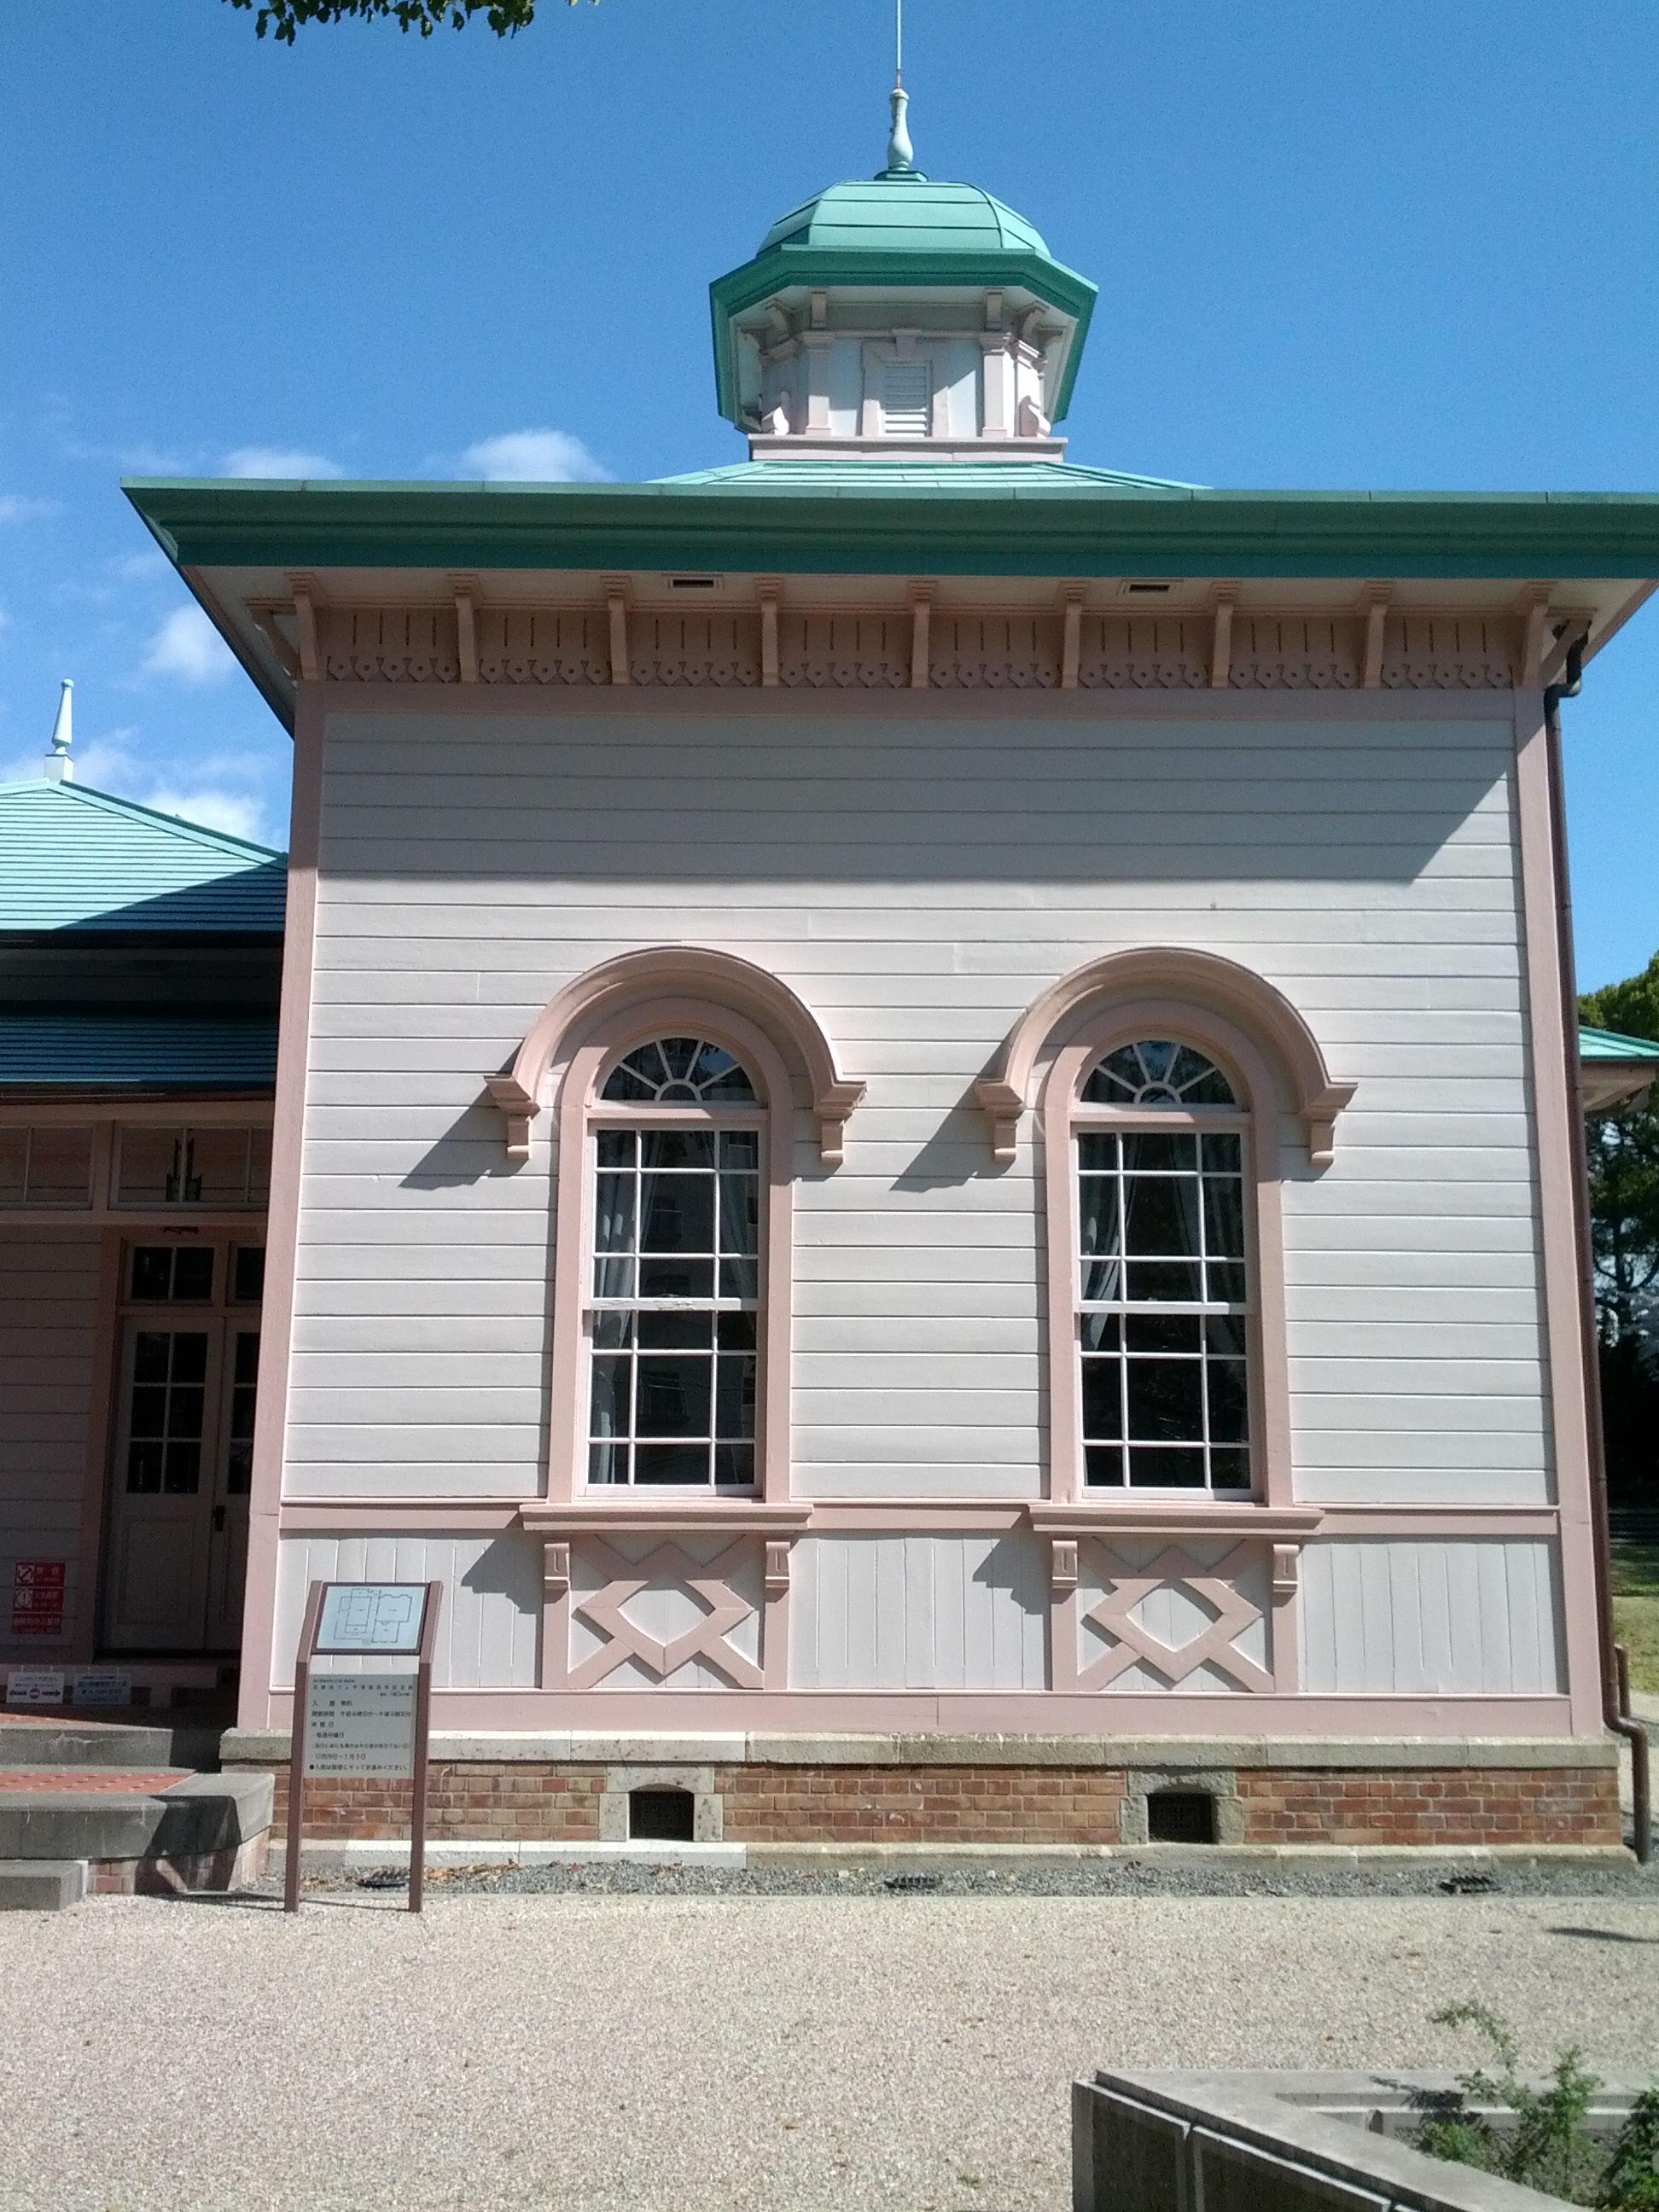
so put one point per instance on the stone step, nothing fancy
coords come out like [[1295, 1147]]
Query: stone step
[[41, 1885], [58, 1741], [139, 1831]]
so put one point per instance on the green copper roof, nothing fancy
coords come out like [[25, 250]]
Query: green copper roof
[[886, 519], [72, 859], [1606, 1045], [98, 1050], [993, 479], [906, 214], [899, 232]]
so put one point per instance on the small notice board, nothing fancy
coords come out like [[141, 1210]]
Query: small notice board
[[357, 1725]]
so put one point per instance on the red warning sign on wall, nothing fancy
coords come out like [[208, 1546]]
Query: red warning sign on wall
[[37, 1596]]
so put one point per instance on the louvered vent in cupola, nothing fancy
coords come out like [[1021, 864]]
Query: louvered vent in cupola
[[906, 396]]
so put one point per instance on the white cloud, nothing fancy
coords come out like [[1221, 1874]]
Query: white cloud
[[187, 646], [15, 509], [214, 809], [281, 461], [533, 457], [139, 567]]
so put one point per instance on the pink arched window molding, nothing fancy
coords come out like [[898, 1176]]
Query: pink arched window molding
[[590, 1026], [1270, 1057]]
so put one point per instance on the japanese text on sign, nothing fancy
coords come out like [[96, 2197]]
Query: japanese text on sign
[[37, 1596]]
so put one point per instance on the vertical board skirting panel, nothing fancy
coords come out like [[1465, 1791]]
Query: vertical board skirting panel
[[48, 1322], [919, 1613], [1410, 1619], [489, 1629]]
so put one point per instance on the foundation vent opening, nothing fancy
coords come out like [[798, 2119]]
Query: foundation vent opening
[[1180, 1816], [660, 1816]]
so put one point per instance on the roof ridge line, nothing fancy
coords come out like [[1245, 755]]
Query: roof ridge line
[[114, 803]]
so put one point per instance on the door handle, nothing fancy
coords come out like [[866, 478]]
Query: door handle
[[218, 1516]]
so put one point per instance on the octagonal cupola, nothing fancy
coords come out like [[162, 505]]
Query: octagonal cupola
[[898, 318]]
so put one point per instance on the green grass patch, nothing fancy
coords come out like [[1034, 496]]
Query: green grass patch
[[1636, 1611]]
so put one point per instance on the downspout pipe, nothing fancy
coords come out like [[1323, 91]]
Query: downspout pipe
[[1613, 1701]]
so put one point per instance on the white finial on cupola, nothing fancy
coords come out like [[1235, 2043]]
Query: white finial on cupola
[[901, 154], [58, 767]]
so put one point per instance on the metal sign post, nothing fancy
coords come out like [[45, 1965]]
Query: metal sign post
[[363, 1724]]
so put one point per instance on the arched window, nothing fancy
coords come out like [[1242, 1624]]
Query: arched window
[[673, 1311], [1162, 1274]]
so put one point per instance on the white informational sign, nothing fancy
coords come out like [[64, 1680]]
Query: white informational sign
[[35, 1686], [102, 1685], [372, 1617], [360, 1724]]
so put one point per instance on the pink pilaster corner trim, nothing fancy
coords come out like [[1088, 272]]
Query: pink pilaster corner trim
[[656, 971], [1554, 1107], [1175, 973], [282, 1221]]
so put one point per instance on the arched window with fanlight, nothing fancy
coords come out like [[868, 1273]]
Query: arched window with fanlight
[[1163, 1272], [674, 1285]]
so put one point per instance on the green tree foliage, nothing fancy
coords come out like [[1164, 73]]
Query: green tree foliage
[[1624, 1165], [1623, 1153], [284, 17]]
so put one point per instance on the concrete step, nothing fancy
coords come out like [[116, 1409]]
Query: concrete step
[[85, 1743], [51, 1741], [139, 1832], [41, 1885]]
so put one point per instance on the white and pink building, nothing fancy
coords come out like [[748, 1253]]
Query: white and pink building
[[925, 1129]]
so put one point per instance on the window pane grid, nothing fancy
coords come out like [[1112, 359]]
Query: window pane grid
[[674, 1303], [1164, 1309]]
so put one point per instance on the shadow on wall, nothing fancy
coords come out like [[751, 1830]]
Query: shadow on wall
[[472, 1150]]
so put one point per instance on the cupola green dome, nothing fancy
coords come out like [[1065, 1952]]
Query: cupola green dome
[[903, 214], [898, 260]]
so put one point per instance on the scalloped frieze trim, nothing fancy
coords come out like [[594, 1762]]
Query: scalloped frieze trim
[[731, 650]]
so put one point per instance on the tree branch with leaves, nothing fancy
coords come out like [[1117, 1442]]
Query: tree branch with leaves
[[282, 18]]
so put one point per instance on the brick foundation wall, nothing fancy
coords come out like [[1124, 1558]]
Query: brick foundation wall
[[762, 1803], [921, 1804], [1458, 1805], [494, 1802]]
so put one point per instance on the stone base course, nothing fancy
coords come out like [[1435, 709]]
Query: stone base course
[[837, 1800]]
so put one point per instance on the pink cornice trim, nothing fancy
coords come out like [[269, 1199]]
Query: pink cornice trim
[[692, 1516], [1085, 1517], [1170, 972], [425, 1517], [853, 1516], [658, 969], [1431, 1523]]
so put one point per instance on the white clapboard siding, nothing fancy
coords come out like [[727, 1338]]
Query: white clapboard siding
[[489, 1629], [48, 1320], [918, 884], [919, 1613], [1418, 1618]]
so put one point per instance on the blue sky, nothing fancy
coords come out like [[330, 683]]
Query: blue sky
[[1407, 246]]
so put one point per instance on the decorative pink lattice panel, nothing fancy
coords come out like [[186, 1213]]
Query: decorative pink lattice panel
[[1203, 1610]]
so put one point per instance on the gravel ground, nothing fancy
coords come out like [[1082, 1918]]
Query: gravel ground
[[611, 2052]]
